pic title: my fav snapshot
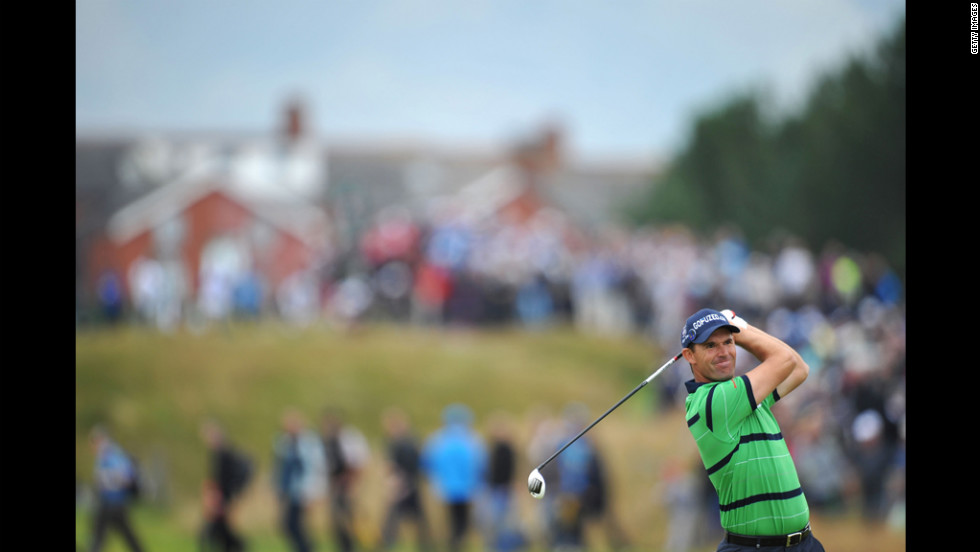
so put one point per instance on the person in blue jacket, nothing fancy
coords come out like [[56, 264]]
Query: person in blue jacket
[[114, 477], [454, 460], [298, 476]]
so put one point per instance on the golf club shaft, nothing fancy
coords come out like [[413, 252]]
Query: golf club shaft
[[614, 407]]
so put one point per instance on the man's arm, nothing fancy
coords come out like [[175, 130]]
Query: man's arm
[[782, 369]]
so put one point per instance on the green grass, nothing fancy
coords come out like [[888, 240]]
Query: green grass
[[153, 390]]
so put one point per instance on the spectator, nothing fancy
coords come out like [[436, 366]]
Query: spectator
[[709, 529], [346, 454], [393, 283], [896, 485], [598, 507], [431, 288], [464, 305], [215, 296], [145, 277], [405, 499], [115, 477], [248, 295], [502, 533], [819, 460], [297, 475], [229, 472], [351, 301], [298, 298], [110, 292], [454, 458], [572, 484], [533, 303], [679, 491], [794, 269], [545, 432], [874, 462]]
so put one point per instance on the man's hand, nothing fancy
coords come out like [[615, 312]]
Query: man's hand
[[734, 319]]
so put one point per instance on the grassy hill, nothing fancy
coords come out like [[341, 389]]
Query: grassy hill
[[153, 390]]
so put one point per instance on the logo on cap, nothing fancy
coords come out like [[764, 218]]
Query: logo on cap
[[710, 320]]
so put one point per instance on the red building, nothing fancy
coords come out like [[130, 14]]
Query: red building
[[198, 224]]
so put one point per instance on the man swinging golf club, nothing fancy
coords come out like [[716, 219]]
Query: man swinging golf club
[[761, 502]]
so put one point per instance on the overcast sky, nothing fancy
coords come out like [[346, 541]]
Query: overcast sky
[[623, 77]]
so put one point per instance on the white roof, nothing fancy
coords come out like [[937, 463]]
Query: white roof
[[277, 205]]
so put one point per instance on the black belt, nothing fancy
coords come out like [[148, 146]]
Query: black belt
[[784, 540]]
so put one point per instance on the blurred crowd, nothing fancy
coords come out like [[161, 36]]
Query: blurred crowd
[[471, 469], [453, 267], [843, 310]]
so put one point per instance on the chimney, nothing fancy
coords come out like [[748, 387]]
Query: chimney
[[542, 153], [551, 145], [294, 121]]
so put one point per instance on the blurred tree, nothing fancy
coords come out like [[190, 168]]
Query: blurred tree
[[852, 170], [833, 171], [724, 174]]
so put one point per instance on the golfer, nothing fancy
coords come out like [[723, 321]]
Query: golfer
[[762, 504]]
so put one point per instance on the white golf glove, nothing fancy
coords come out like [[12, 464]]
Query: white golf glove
[[734, 319]]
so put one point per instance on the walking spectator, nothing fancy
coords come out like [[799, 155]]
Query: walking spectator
[[679, 490], [874, 462], [229, 472], [346, 453], [545, 431], [115, 477], [298, 476], [502, 533], [454, 458], [598, 507], [404, 472], [572, 484]]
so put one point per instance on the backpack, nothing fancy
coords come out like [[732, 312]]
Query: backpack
[[242, 469], [134, 486]]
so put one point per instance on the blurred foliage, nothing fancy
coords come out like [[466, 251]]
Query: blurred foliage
[[833, 172]]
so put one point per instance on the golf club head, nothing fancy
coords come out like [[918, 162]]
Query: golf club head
[[535, 484]]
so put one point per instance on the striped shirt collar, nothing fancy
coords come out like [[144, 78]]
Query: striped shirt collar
[[692, 385]]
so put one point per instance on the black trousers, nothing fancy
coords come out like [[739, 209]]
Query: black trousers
[[115, 517], [293, 525], [218, 536], [342, 520], [459, 523], [408, 507]]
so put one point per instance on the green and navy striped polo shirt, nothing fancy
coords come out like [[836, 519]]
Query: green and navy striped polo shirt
[[747, 459]]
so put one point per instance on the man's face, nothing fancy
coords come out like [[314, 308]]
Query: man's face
[[713, 360]]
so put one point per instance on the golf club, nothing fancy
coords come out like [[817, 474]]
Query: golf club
[[535, 481]]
